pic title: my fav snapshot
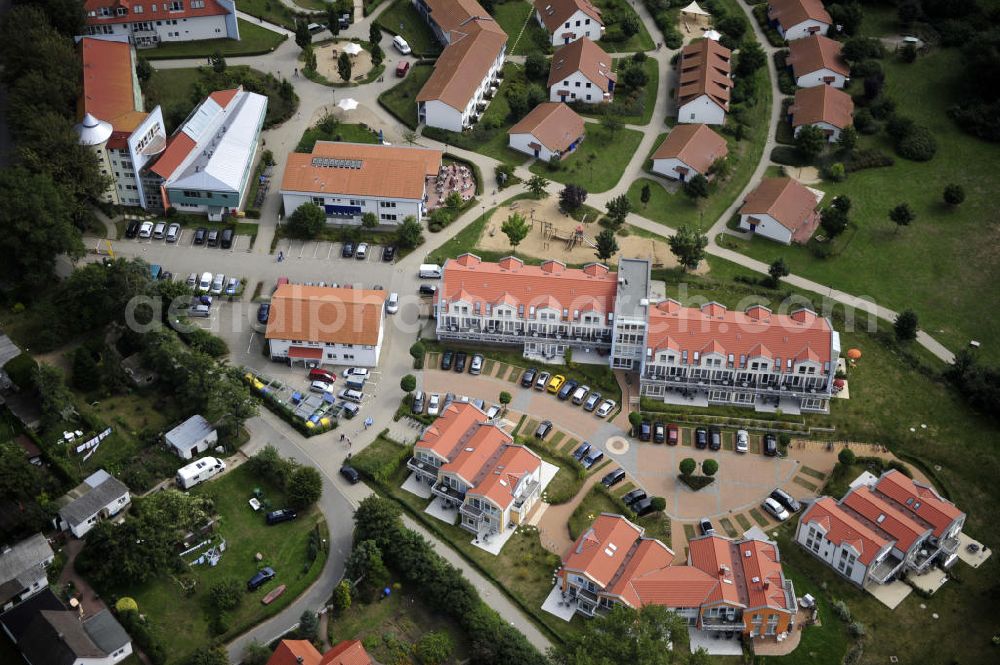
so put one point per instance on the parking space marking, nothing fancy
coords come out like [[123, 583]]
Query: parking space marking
[[250, 345]]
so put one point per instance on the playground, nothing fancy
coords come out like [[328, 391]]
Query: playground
[[555, 235], [328, 54]]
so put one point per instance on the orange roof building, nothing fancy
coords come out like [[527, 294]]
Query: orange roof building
[[704, 85], [566, 21], [550, 130], [473, 465], [781, 209], [348, 180], [823, 106], [318, 325], [797, 19], [149, 24], [816, 60], [581, 71], [689, 150], [302, 652], [726, 585]]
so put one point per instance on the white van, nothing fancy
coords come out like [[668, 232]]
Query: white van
[[199, 471], [430, 271], [206, 282], [401, 45], [351, 395]]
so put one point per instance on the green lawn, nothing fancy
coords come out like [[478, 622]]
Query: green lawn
[[524, 35], [944, 265], [599, 162], [824, 644], [272, 11], [403, 19], [641, 41], [316, 5], [401, 100], [254, 40], [626, 102], [599, 500], [182, 619], [340, 131]]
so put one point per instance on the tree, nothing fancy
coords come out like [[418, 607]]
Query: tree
[[571, 198], [902, 215], [341, 599], [309, 57], [303, 37], [369, 220], [209, 656], [688, 245], [227, 594], [688, 466], [378, 519], [658, 504], [857, 49], [536, 66], [308, 625], [846, 457], [434, 648], [374, 33], [848, 140], [344, 67], [408, 383], [537, 185], [954, 194], [377, 54], [635, 420], [634, 76], [256, 654], [410, 233], [505, 399], [517, 101], [611, 122], [710, 467], [410, 136], [618, 209], [218, 62], [777, 270], [833, 221], [842, 203], [696, 187], [417, 350], [645, 194], [306, 221], [905, 325], [304, 488], [366, 563], [750, 58], [607, 246], [55, 398], [143, 70], [631, 25], [453, 201], [700, 657], [333, 18], [624, 635], [810, 141], [516, 229]]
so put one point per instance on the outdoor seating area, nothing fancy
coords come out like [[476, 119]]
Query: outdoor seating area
[[451, 178]]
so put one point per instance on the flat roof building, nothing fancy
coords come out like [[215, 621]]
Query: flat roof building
[[193, 436]]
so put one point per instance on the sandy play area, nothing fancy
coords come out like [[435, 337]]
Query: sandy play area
[[326, 62], [551, 229]]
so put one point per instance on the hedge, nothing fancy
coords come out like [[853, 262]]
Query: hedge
[[21, 370], [380, 468]]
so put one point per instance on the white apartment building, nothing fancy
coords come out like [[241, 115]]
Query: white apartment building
[[704, 83], [569, 20], [796, 19], [581, 71], [146, 24]]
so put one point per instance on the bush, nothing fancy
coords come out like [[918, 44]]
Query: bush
[[857, 629], [304, 487], [918, 145], [841, 609], [788, 156], [864, 122], [408, 383], [226, 595], [710, 467], [687, 466], [868, 159], [434, 648], [954, 194], [126, 604], [21, 369], [846, 457]]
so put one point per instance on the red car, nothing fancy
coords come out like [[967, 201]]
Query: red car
[[317, 374], [402, 68], [673, 434]]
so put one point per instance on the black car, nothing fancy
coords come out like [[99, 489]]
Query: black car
[[613, 477], [417, 405], [543, 429], [633, 496], [388, 253], [279, 516], [645, 431], [350, 474], [567, 389], [591, 458], [460, 361], [770, 445], [706, 527], [642, 507], [132, 230], [227, 238], [263, 312], [348, 250], [199, 236], [701, 438], [714, 438], [446, 360], [787, 500], [213, 238], [260, 578], [581, 451], [528, 378], [659, 432], [427, 289]]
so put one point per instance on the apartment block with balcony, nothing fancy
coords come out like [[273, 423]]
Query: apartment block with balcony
[[631, 311], [148, 24], [711, 355], [544, 309]]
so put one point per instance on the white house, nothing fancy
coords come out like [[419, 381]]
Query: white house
[[581, 71], [796, 19], [569, 20], [687, 151], [193, 436], [147, 24], [466, 74], [825, 107], [199, 471], [816, 60], [318, 325], [348, 180], [704, 84], [549, 130], [98, 497], [781, 209], [23, 570]]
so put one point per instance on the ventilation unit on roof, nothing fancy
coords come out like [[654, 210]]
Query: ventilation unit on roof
[[747, 553], [755, 580], [469, 450]]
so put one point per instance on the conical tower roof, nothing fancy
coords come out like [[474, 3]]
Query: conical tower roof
[[93, 131]]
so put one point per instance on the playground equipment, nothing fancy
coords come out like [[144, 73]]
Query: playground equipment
[[571, 238]]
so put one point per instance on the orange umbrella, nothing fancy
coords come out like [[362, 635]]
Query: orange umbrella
[[854, 354]]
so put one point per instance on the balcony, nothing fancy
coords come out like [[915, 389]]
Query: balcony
[[422, 469], [448, 493], [885, 569], [468, 510], [530, 490], [722, 623]]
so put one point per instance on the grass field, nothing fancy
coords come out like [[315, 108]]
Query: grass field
[[640, 41], [342, 131], [403, 19], [272, 11], [515, 16], [401, 100], [253, 40], [619, 105], [599, 162], [944, 266]]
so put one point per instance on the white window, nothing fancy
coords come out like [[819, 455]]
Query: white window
[[137, 9]]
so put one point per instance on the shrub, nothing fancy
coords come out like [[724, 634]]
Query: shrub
[[21, 369], [304, 487], [864, 122], [126, 604], [226, 595], [857, 629], [918, 145], [841, 609], [954, 194], [408, 383], [868, 159], [434, 648], [836, 172], [846, 457], [710, 467], [341, 599], [687, 466]]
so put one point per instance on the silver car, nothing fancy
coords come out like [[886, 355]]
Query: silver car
[[606, 407], [173, 232]]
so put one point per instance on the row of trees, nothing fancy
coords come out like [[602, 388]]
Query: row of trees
[[302, 485], [309, 220]]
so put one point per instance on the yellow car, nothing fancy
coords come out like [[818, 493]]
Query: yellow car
[[555, 383]]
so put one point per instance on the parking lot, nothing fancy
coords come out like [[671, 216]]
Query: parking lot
[[241, 243], [325, 250]]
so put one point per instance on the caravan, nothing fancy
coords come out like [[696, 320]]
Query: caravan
[[199, 471]]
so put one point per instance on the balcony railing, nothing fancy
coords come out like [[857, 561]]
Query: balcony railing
[[422, 468], [722, 623], [469, 510], [779, 389], [885, 569], [447, 492]]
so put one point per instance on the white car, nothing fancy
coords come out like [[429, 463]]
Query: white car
[[159, 229], [192, 280], [146, 230], [218, 284], [777, 510], [401, 45], [434, 404], [357, 372], [361, 253], [392, 305], [605, 408], [206, 282], [742, 441], [493, 412]]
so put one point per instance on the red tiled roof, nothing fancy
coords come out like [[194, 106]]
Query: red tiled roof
[[108, 91], [348, 652], [553, 124], [671, 326], [497, 479], [555, 13], [634, 582], [816, 52], [444, 436], [179, 146], [696, 145], [591, 288], [586, 57], [762, 575], [933, 508], [289, 651], [476, 452], [713, 555], [789, 13], [211, 8], [324, 314], [786, 200], [675, 586], [601, 550], [842, 527], [885, 516], [223, 97], [704, 68], [822, 103]]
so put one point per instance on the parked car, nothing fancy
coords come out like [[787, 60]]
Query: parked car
[[555, 383], [315, 27], [173, 232], [350, 474], [493, 411], [701, 438], [320, 386], [212, 240], [706, 527], [777, 510], [581, 451], [206, 282], [593, 399], [635, 495], [159, 230], [199, 235], [260, 578], [673, 434], [714, 438], [606, 407], [460, 361], [192, 280], [226, 241], [218, 284], [362, 251], [591, 458], [770, 445], [612, 478], [659, 432], [351, 395], [389, 253], [567, 389], [349, 409], [401, 45], [402, 68], [786, 499], [132, 230], [357, 373], [232, 286], [417, 403], [279, 516], [543, 429], [263, 311], [446, 359], [742, 441], [348, 250], [645, 430], [146, 230], [392, 304], [580, 394], [476, 366], [434, 404], [642, 507], [201, 311], [427, 290], [320, 374], [528, 378], [542, 380]]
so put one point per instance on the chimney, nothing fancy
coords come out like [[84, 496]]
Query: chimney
[[299, 659], [767, 585]]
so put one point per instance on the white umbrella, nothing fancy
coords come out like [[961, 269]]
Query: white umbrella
[[352, 48], [348, 104], [714, 35]]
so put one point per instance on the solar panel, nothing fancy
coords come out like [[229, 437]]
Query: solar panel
[[333, 163]]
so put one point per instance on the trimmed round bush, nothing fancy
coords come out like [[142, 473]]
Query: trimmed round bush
[[846, 457], [918, 145]]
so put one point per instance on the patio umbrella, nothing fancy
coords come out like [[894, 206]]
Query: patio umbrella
[[352, 48], [714, 35], [838, 383], [348, 104], [854, 354]]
